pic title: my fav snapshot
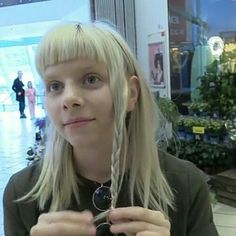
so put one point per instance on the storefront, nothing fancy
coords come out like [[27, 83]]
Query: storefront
[[202, 44], [202, 33]]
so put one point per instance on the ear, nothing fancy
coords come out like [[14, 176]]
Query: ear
[[133, 82]]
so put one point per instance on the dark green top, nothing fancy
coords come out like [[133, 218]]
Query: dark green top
[[193, 216]]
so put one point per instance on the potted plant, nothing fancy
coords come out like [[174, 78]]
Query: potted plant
[[193, 109], [199, 128], [188, 125], [198, 109], [203, 108], [215, 131], [181, 132]]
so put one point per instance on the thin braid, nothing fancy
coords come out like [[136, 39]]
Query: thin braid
[[115, 163], [115, 170]]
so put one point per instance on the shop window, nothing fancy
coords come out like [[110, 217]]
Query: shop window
[[192, 23], [203, 80]]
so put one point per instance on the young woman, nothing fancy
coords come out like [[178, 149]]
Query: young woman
[[102, 173], [30, 93]]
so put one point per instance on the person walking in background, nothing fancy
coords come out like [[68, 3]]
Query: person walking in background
[[17, 87], [30, 93]]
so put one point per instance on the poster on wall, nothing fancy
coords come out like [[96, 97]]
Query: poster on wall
[[157, 61]]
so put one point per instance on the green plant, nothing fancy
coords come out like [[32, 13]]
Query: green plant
[[203, 107], [188, 123], [169, 109], [215, 127], [180, 121], [201, 122], [219, 91], [233, 112], [193, 108], [198, 107], [206, 156]]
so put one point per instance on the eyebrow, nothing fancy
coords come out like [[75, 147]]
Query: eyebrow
[[87, 67], [83, 69]]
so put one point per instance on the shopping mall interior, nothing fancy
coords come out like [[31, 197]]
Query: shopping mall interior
[[187, 51]]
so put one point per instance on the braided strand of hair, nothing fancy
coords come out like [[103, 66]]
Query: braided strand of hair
[[115, 164]]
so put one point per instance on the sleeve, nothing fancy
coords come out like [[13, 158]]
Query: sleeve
[[200, 217], [14, 86], [13, 224]]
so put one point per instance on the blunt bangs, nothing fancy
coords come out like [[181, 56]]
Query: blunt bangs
[[71, 41]]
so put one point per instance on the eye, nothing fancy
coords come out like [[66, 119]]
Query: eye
[[91, 80], [54, 86]]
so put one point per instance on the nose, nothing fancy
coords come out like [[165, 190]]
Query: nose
[[72, 98]]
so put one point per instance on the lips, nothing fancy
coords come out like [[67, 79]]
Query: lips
[[78, 121]]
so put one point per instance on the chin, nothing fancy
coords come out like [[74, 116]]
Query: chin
[[79, 142]]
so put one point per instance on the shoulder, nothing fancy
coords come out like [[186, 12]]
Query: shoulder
[[19, 217], [173, 165], [181, 174], [192, 199], [21, 182]]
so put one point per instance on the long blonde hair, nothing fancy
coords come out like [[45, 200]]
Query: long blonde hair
[[135, 134]]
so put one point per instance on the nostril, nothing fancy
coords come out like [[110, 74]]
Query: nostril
[[71, 100], [70, 104], [76, 105]]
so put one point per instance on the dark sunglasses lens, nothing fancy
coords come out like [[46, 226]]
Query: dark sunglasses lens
[[104, 230], [102, 198]]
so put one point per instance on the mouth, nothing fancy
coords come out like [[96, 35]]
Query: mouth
[[78, 121]]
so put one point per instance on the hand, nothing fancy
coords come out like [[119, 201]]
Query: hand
[[139, 221], [64, 223], [19, 93]]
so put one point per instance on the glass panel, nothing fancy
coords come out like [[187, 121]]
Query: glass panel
[[202, 37]]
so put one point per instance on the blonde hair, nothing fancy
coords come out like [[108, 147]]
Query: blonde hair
[[135, 134]]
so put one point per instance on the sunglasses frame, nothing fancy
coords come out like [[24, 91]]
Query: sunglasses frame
[[93, 198]]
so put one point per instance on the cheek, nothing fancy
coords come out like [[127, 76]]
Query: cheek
[[103, 103], [52, 109], [108, 108]]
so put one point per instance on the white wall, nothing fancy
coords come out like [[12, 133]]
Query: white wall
[[151, 17]]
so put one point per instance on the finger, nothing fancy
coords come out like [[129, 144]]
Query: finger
[[138, 214], [66, 216], [135, 227], [63, 229], [149, 233]]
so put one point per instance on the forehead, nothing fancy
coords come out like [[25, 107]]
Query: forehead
[[75, 67], [67, 43]]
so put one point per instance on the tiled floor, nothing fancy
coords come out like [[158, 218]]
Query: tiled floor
[[17, 135], [225, 219]]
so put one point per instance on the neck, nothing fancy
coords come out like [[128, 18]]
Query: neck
[[93, 164]]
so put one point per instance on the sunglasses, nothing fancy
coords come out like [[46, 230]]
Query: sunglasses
[[102, 201]]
